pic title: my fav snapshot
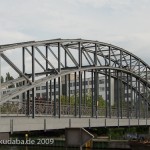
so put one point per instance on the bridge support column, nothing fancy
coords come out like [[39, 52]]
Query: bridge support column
[[77, 137]]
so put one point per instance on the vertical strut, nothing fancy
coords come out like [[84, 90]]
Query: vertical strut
[[92, 95], [84, 88], [69, 91], [136, 99], [59, 82], [50, 86], [96, 91], [106, 94], [109, 82], [75, 84], [80, 78], [55, 104], [131, 91], [66, 81], [23, 95], [121, 94], [128, 96], [33, 79], [23, 68], [118, 96], [96, 83], [139, 100], [146, 96], [80, 92], [47, 74]]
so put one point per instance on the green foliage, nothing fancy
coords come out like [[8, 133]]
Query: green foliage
[[87, 101], [2, 79], [116, 133], [142, 130], [9, 77], [65, 100]]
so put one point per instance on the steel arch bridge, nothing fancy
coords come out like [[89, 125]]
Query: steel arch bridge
[[59, 62]]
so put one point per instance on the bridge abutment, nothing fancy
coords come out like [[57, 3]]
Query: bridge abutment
[[4, 135]]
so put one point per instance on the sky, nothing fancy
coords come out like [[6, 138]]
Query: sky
[[124, 23]]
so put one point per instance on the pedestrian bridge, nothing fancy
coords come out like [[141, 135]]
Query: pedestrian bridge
[[64, 65]]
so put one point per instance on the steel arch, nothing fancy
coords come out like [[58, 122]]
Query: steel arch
[[110, 60]]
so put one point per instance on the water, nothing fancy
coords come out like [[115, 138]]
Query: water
[[6, 147]]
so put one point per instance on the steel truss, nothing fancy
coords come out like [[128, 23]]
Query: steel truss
[[81, 58]]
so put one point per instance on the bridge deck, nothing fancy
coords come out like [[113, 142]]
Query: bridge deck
[[14, 124]]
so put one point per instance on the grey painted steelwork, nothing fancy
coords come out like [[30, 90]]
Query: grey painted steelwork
[[46, 123], [79, 57]]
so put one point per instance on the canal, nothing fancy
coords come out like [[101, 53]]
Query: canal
[[9, 147]]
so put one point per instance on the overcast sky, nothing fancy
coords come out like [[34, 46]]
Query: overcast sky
[[125, 23]]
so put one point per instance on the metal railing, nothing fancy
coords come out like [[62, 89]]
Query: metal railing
[[46, 108]]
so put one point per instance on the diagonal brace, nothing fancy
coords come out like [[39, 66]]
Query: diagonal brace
[[14, 67], [35, 59]]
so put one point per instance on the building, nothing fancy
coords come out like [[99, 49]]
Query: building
[[40, 91]]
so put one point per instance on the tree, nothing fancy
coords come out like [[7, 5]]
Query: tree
[[65, 100], [2, 79], [101, 102], [9, 77]]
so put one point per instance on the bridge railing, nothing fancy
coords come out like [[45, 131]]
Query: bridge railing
[[16, 108]]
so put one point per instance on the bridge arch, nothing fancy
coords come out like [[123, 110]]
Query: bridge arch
[[81, 57]]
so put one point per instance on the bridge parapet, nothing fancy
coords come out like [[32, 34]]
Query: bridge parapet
[[46, 108]]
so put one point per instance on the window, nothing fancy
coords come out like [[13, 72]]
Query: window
[[101, 81], [108, 97], [43, 87], [37, 94], [86, 83], [70, 84], [43, 95], [17, 97], [38, 88], [4, 92], [127, 95], [101, 88], [90, 82], [71, 91]]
